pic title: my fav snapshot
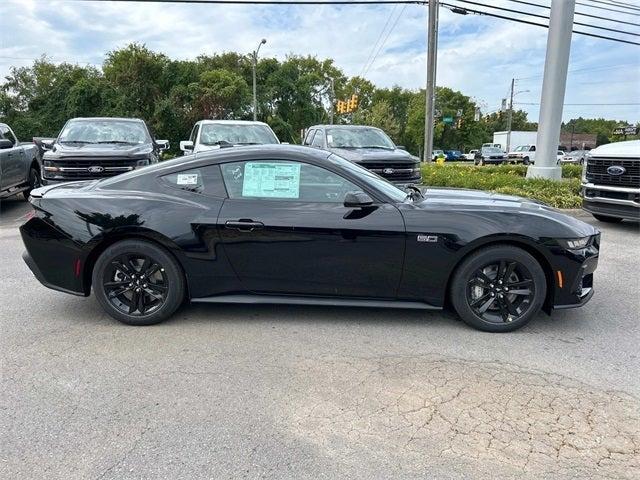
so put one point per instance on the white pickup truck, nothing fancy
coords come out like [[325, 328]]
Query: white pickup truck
[[214, 134], [19, 165]]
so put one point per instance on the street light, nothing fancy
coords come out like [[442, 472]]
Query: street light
[[255, 63]]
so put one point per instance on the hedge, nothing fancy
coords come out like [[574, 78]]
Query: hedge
[[510, 180]]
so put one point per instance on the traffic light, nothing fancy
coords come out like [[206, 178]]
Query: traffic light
[[340, 106], [459, 122], [353, 102]]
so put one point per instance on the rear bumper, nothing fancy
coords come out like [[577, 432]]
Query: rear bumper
[[41, 278]]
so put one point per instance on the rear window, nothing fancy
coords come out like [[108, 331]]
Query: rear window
[[204, 180]]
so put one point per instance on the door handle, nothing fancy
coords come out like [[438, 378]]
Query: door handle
[[243, 225]]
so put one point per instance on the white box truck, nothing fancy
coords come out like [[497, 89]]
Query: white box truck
[[518, 138]]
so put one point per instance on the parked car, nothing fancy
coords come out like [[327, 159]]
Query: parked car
[[576, 156], [369, 147], [559, 156], [490, 155], [288, 224], [213, 134], [525, 154], [94, 148], [437, 154], [611, 182], [453, 155], [19, 165], [471, 155]]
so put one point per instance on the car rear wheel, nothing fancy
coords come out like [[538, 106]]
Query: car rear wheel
[[607, 219], [498, 289], [138, 282], [34, 182]]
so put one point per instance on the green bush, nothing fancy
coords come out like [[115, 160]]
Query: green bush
[[510, 180]]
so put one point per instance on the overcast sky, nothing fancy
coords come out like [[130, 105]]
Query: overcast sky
[[477, 55]]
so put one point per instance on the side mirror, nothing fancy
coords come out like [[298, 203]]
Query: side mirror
[[4, 144], [186, 146], [163, 144], [357, 200], [47, 144]]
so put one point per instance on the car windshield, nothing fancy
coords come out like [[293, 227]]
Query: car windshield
[[521, 148], [377, 182], [104, 131], [358, 138], [491, 150], [236, 134]]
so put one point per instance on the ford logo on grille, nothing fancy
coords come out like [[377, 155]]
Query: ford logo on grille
[[616, 170], [388, 171], [96, 169]]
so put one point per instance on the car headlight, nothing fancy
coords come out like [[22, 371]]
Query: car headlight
[[142, 163], [575, 243]]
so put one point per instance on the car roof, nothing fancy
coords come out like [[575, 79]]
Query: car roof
[[231, 122], [351, 127], [120, 119]]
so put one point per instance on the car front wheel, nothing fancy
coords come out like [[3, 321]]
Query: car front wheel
[[34, 182], [138, 282], [498, 289]]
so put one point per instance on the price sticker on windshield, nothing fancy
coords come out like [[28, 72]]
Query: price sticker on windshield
[[187, 179]]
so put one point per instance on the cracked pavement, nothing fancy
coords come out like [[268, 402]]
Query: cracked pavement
[[223, 391]]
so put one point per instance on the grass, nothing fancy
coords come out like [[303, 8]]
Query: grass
[[510, 180]]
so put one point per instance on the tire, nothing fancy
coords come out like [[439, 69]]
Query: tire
[[607, 219], [131, 269], [34, 182], [525, 161], [476, 285]]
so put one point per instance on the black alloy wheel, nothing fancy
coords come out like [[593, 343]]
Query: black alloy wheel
[[138, 282], [34, 182], [498, 288]]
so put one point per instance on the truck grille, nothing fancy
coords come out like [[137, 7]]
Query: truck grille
[[77, 168], [597, 172], [395, 172]]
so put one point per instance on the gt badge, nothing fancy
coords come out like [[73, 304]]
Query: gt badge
[[427, 238]]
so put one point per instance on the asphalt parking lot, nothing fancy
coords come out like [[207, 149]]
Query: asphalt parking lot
[[223, 391]]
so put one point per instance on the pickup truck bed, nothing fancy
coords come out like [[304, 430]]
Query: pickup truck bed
[[19, 164]]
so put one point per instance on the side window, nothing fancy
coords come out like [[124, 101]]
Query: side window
[[6, 134], [284, 180], [205, 180], [194, 133], [309, 138], [318, 140], [533, 148]]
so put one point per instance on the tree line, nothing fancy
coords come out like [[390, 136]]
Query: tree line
[[293, 94]]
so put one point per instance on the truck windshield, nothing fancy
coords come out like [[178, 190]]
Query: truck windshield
[[104, 131], [358, 138], [236, 134]]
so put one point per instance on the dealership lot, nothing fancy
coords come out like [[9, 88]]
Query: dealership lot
[[223, 391]]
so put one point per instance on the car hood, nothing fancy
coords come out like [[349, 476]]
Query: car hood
[[462, 199], [365, 155], [98, 150]]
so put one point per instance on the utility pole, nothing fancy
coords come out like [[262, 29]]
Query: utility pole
[[510, 116], [432, 59], [554, 85], [254, 65], [331, 103]]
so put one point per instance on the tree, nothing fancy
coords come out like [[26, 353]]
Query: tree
[[219, 94]]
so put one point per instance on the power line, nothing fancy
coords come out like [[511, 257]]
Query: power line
[[616, 4], [582, 104], [385, 39], [588, 15], [589, 69], [465, 10], [274, 2], [547, 18], [605, 8], [378, 40]]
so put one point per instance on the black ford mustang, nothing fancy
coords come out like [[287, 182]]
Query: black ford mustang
[[285, 224]]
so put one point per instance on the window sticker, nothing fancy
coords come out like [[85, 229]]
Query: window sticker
[[271, 180], [187, 179]]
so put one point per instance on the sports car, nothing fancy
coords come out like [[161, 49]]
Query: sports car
[[297, 225]]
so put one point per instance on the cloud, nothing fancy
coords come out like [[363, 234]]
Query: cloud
[[477, 55]]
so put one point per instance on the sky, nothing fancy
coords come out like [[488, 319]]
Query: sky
[[386, 44]]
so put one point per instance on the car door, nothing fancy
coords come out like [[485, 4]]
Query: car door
[[12, 161], [286, 230]]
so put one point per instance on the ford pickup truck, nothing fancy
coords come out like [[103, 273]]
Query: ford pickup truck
[[19, 165]]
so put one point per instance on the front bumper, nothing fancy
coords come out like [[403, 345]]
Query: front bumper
[[612, 201], [573, 275]]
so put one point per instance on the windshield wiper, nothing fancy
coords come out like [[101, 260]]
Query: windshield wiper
[[119, 142], [377, 146], [414, 192], [248, 143], [74, 141]]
